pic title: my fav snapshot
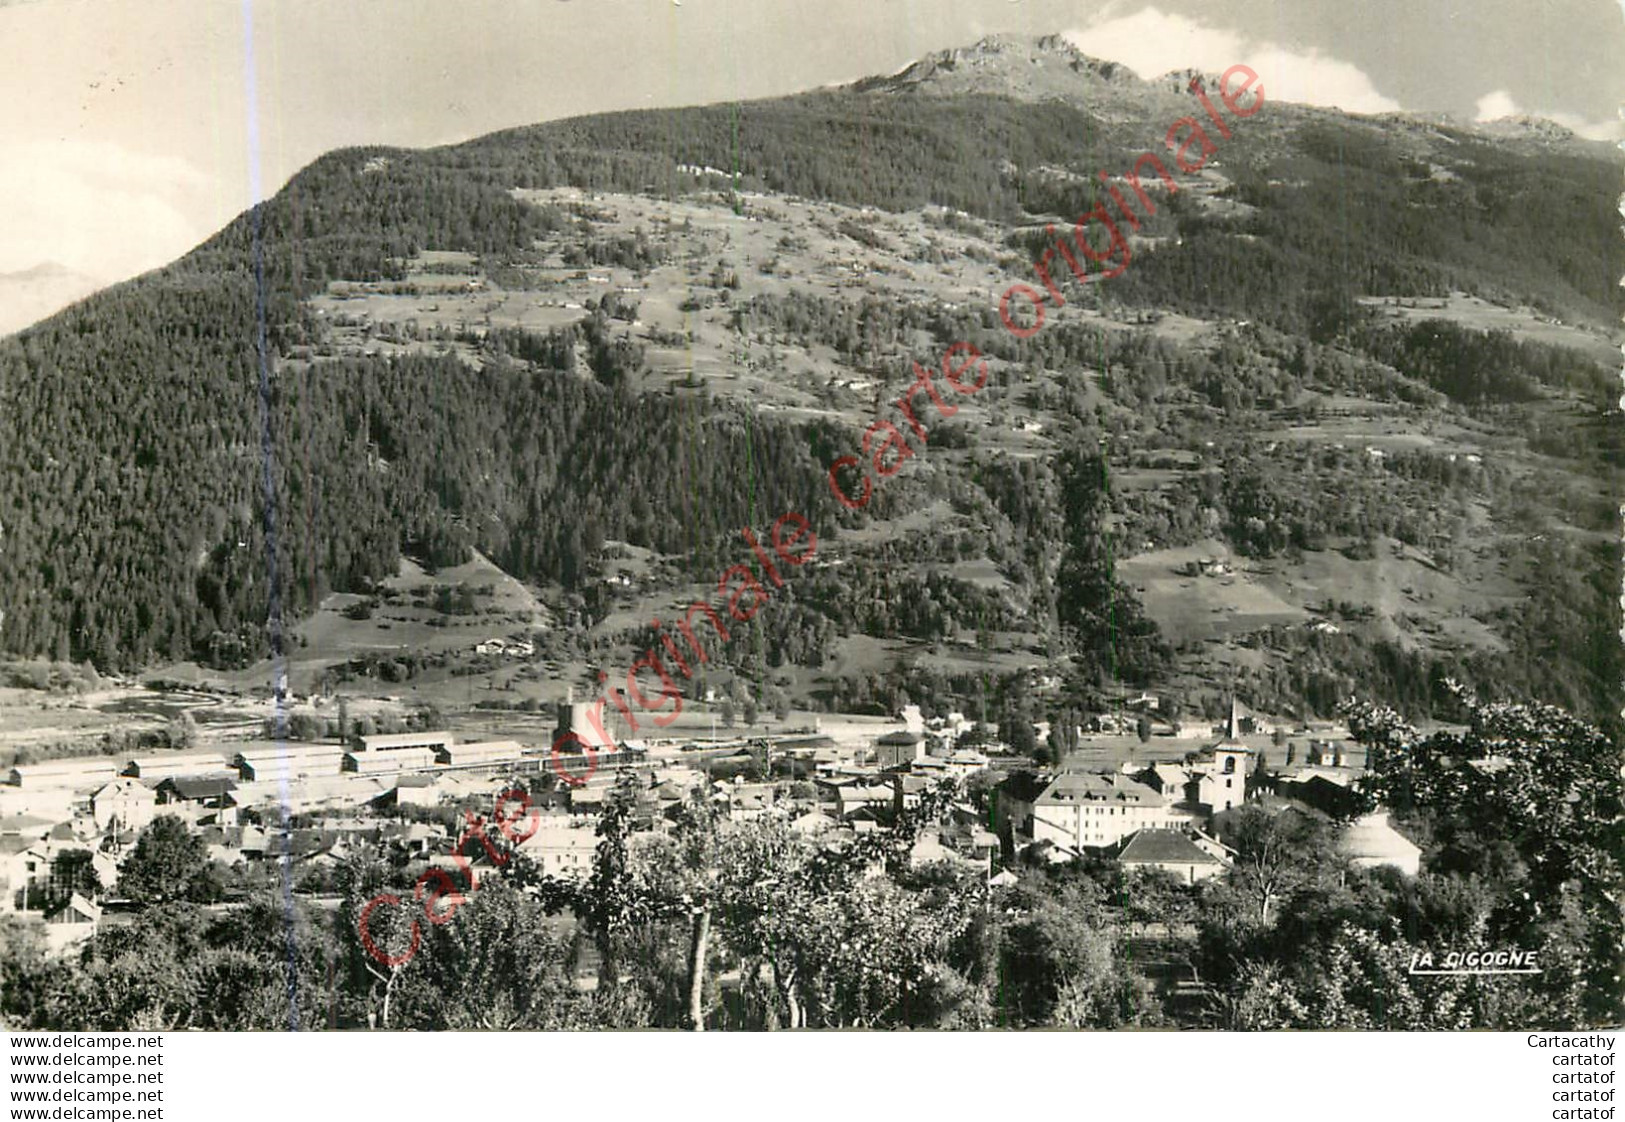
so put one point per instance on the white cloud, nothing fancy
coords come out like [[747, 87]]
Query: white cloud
[[1494, 106], [100, 209], [1499, 103], [1152, 42]]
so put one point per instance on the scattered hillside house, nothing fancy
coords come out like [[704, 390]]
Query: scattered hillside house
[[1172, 851], [953, 726], [124, 804], [513, 648], [1327, 753], [1372, 841]]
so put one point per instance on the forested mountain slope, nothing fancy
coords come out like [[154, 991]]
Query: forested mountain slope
[[171, 447]]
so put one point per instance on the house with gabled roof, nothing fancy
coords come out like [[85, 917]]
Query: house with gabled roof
[[1167, 780], [1171, 851], [125, 804], [71, 924], [205, 801]]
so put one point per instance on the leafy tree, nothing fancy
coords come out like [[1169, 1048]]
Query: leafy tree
[[1058, 963], [1526, 791], [72, 872], [1276, 854], [499, 965], [166, 863], [182, 731]]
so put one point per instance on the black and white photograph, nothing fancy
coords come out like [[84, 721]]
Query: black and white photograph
[[751, 517]]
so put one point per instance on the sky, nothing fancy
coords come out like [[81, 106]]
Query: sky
[[130, 130]]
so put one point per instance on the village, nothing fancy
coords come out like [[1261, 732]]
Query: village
[[290, 812]]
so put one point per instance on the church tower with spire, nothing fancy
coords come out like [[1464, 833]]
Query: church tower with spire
[[1221, 780]]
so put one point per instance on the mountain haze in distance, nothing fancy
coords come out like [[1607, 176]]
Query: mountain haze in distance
[[33, 294]]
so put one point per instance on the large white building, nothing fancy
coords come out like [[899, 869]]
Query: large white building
[[562, 845], [267, 762], [404, 741], [1078, 810], [124, 804]]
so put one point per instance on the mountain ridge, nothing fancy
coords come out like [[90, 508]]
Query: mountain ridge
[[1002, 66]]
